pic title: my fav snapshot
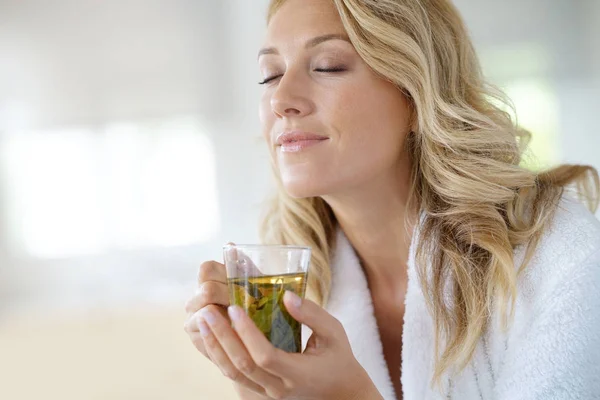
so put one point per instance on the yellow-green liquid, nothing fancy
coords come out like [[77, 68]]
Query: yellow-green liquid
[[262, 298]]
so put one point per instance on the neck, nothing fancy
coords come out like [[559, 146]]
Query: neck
[[373, 220]]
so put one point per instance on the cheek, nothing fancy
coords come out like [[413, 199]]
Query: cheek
[[374, 120], [378, 108]]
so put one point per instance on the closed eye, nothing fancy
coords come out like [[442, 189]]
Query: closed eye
[[267, 80], [326, 70], [337, 69]]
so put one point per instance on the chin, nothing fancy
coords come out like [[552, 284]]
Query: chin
[[303, 188]]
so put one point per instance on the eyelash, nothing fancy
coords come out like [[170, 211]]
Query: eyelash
[[331, 70]]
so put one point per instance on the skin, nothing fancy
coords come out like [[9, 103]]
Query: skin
[[362, 171]]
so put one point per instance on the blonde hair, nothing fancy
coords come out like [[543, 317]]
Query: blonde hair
[[478, 203]]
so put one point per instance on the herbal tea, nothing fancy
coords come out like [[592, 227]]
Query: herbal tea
[[262, 298]]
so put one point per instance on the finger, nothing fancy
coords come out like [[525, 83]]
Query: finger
[[198, 342], [209, 292], [324, 325], [191, 328], [212, 271], [239, 356], [238, 262], [269, 358], [191, 323], [221, 360]]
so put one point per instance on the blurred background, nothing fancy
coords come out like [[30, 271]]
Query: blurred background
[[130, 152]]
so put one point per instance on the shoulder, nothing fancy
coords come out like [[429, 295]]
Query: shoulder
[[553, 345], [569, 247], [576, 227]]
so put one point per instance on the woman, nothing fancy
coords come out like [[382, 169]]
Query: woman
[[443, 268]]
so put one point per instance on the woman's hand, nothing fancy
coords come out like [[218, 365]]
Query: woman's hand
[[326, 370], [212, 294]]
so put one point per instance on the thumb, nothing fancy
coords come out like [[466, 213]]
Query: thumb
[[309, 313]]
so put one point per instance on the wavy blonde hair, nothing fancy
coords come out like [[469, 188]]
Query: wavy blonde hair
[[478, 203]]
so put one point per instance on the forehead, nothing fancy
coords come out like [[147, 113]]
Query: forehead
[[296, 21]]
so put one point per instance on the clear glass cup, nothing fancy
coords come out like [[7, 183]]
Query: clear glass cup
[[257, 278]]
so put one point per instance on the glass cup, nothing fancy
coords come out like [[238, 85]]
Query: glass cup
[[257, 278]]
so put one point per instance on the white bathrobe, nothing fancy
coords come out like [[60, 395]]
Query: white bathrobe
[[552, 350]]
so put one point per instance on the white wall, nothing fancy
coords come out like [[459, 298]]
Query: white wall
[[67, 62]]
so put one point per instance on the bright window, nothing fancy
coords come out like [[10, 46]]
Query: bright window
[[125, 185]]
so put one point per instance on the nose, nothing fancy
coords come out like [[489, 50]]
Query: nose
[[291, 98]]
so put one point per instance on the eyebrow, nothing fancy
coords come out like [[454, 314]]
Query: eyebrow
[[311, 43]]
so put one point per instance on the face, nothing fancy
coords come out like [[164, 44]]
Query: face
[[332, 124]]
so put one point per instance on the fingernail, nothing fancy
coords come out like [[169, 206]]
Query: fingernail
[[235, 313], [293, 299], [204, 329], [209, 317]]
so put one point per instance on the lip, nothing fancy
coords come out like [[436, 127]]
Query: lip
[[294, 141], [296, 136]]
